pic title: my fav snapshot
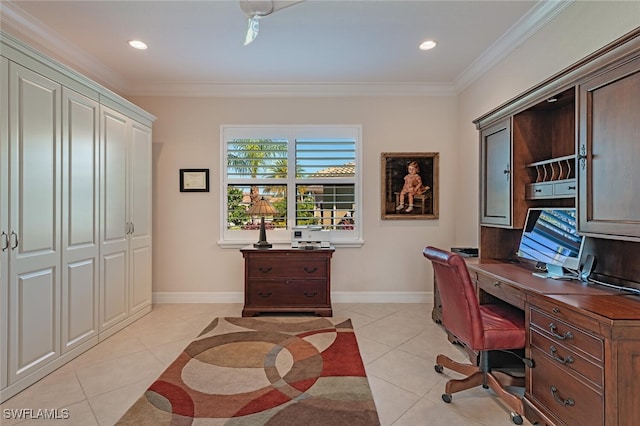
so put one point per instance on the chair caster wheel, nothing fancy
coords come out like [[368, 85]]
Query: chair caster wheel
[[438, 368], [516, 418], [446, 397]]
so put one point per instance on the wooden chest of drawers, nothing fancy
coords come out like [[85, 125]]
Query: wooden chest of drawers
[[287, 280]]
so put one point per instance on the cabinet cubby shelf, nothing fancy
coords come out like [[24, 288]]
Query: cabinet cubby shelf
[[554, 169]]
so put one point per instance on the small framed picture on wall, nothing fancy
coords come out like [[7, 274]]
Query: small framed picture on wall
[[194, 180], [409, 185]]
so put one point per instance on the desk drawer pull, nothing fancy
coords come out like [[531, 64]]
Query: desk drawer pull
[[555, 310], [310, 270], [308, 294], [264, 270], [554, 351], [567, 336], [568, 401], [496, 283], [261, 294]]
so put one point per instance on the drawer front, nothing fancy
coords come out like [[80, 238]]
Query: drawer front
[[559, 331], [569, 399], [539, 190], [501, 290], [564, 358], [286, 266], [567, 187], [287, 293]]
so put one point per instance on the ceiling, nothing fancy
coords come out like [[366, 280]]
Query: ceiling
[[313, 46]]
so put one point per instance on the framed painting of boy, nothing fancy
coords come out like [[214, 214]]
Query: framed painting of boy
[[409, 185]]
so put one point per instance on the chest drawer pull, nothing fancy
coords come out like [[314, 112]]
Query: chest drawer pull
[[310, 270], [567, 360], [267, 294], [308, 294], [567, 336], [555, 310], [496, 283], [554, 393], [264, 270]]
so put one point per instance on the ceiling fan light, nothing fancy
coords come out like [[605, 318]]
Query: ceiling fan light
[[428, 44]]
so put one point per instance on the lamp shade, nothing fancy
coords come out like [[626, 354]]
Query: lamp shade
[[261, 208]]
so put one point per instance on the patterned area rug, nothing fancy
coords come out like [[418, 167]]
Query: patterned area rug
[[263, 371]]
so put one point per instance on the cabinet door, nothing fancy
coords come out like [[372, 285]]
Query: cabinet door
[[80, 219], [140, 217], [4, 220], [609, 149], [113, 223], [34, 221], [495, 179]]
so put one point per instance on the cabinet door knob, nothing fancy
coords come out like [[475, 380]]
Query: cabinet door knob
[[15, 236], [6, 241]]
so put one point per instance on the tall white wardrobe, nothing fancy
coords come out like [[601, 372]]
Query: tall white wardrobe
[[75, 214]]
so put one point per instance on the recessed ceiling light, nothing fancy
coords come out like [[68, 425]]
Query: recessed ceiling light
[[428, 44], [137, 44]]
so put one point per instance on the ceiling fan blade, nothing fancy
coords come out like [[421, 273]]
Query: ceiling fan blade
[[253, 26]]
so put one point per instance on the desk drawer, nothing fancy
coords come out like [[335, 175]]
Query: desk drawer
[[501, 290], [565, 358], [289, 292], [569, 399], [571, 337], [290, 267]]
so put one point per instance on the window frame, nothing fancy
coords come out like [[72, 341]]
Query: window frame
[[240, 238]]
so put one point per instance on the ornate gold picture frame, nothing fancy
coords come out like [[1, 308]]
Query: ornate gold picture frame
[[409, 185]]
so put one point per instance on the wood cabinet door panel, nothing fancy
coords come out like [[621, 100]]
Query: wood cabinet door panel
[[559, 331], [289, 266], [609, 148], [287, 292], [565, 358], [495, 197], [569, 399]]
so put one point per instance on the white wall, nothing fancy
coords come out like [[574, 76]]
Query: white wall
[[186, 135], [186, 225]]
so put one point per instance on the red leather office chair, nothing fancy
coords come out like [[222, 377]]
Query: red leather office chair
[[482, 328]]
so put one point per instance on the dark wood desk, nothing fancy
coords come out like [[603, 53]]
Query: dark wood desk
[[584, 341]]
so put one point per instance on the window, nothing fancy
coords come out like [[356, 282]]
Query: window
[[309, 174]]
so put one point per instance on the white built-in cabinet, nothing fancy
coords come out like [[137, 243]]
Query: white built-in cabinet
[[125, 237], [75, 215]]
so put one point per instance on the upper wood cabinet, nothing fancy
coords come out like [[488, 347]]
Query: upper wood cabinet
[[495, 169], [609, 153]]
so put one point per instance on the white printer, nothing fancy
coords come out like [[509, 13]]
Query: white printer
[[310, 236]]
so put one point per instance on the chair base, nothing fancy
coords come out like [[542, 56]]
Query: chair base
[[475, 376]]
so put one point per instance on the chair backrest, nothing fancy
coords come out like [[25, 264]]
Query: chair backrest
[[460, 307]]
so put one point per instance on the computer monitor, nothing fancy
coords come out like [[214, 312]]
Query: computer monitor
[[550, 236]]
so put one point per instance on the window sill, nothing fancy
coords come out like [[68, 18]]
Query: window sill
[[241, 244]]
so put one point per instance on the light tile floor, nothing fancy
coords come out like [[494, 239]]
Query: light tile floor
[[398, 343]]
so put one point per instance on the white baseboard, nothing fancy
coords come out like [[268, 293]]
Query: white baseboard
[[336, 297]]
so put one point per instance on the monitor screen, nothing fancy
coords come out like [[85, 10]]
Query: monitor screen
[[550, 236]]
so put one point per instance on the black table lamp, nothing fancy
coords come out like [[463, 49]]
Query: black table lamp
[[262, 208]]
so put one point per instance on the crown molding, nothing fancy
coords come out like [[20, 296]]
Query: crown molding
[[539, 16], [20, 24], [14, 20]]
